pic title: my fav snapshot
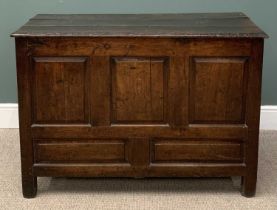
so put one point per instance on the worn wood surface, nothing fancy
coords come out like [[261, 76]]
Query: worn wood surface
[[143, 25], [58, 90], [92, 151], [144, 81], [139, 106], [225, 80], [196, 151], [29, 181]]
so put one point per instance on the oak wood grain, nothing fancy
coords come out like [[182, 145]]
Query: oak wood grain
[[58, 151], [142, 25], [194, 150], [164, 95]]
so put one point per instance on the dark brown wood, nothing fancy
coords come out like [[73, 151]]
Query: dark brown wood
[[142, 25], [139, 88], [151, 130], [29, 180], [80, 151], [226, 98], [196, 151], [104, 95], [253, 104], [60, 90]]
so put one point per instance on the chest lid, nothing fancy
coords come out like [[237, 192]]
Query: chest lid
[[225, 25]]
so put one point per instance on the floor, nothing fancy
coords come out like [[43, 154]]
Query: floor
[[120, 194]]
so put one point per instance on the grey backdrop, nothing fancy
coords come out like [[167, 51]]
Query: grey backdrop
[[14, 13]]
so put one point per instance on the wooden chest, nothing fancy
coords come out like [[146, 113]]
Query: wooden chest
[[164, 95]]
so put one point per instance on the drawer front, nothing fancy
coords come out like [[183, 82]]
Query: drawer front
[[92, 151], [196, 151]]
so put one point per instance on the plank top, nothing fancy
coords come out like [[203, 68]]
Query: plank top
[[226, 25]]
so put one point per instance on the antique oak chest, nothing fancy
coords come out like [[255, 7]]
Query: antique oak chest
[[153, 95]]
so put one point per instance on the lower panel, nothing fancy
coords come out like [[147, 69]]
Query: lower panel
[[182, 150], [142, 156], [92, 151]]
